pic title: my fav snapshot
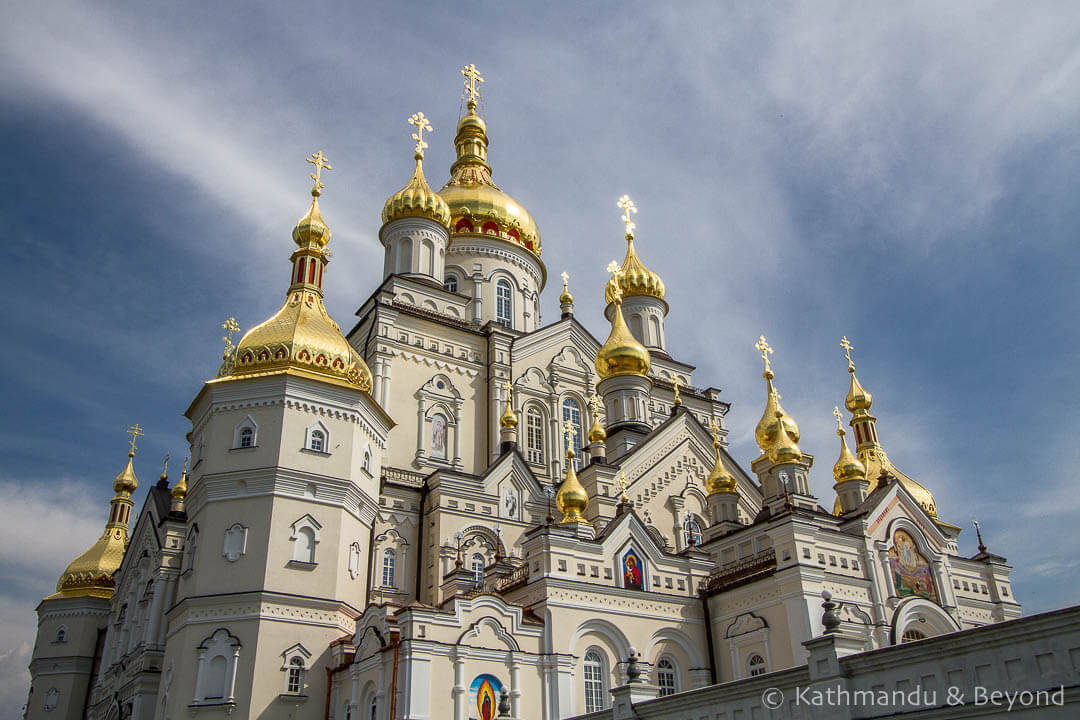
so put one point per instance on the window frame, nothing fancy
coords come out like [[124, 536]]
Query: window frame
[[754, 669], [666, 669], [534, 436], [579, 437], [504, 299], [595, 688], [389, 568]]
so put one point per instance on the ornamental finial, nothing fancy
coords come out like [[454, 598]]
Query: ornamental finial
[[569, 430], [230, 327], [839, 420], [763, 346], [422, 125], [565, 279], [715, 431], [135, 432], [848, 347], [472, 81], [623, 484], [628, 208], [675, 387], [616, 291], [321, 163]]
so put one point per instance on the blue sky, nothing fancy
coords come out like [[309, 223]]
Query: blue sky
[[903, 174]]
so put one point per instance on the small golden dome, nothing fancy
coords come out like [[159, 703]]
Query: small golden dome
[[622, 354], [477, 205], [417, 199], [572, 499], [858, 400], [597, 434], [785, 448], [509, 420], [768, 427], [566, 298], [635, 278], [179, 490], [847, 466], [126, 482], [311, 230], [720, 480]]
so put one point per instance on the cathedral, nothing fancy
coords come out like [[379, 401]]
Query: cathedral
[[453, 510]]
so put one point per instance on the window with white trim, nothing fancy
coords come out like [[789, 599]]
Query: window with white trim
[[389, 558], [317, 441], [189, 548], [367, 461], [595, 685], [450, 283], [692, 531], [245, 434], [294, 682], [755, 665], [504, 303], [215, 679], [478, 565], [534, 435], [666, 677], [305, 537]]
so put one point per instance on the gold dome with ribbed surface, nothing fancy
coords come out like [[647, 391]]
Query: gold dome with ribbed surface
[[847, 466], [720, 480], [477, 205], [635, 278], [572, 498], [417, 199], [784, 448]]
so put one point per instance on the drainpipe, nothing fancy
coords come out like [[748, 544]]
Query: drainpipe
[[708, 634]]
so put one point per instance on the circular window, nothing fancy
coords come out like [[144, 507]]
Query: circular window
[[440, 385]]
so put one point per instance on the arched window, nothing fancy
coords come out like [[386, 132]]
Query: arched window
[[388, 560], [61, 634], [215, 678], [438, 436], [304, 545], [692, 531], [317, 441], [404, 258], [636, 328], [189, 548], [367, 460], [912, 635], [571, 412], [52, 698], [374, 708], [247, 437], [534, 435], [504, 303], [478, 564], [294, 683], [595, 684], [755, 665], [450, 283], [654, 326], [666, 678]]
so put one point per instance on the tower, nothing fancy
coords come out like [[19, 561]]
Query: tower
[[287, 445], [494, 251], [642, 291], [416, 221], [723, 491], [72, 621], [849, 473]]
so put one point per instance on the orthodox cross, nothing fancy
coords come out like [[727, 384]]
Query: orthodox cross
[[565, 279], [594, 404], [509, 392], [616, 270], [550, 493], [135, 432], [321, 163], [421, 124], [230, 327], [628, 207], [848, 347], [675, 385], [623, 484], [165, 466], [839, 421], [978, 534], [763, 346], [184, 471], [569, 431], [715, 431], [459, 562], [472, 80]]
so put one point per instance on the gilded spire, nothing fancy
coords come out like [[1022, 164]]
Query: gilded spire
[[622, 354], [508, 420], [179, 491], [720, 480], [847, 466], [768, 427], [301, 338], [572, 498], [597, 434], [635, 278], [91, 574], [417, 199], [858, 401]]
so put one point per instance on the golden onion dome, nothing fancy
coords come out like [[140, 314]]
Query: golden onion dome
[[179, 490], [417, 199], [597, 433], [768, 427], [91, 574], [301, 336], [877, 462], [784, 448], [847, 466], [572, 498], [566, 298], [477, 205], [720, 480], [622, 354], [858, 400], [635, 278], [509, 420]]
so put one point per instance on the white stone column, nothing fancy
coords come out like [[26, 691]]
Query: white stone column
[[385, 385], [460, 694], [458, 405], [420, 428], [515, 685], [232, 675], [156, 615]]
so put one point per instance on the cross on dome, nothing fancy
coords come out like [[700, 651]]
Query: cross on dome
[[422, 125], [569, 430], [135, 432], [839, 420], [472, 81], [320, 162], [616, 270], [848, 347], [715, 431], [763, 346], [628, 208]]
